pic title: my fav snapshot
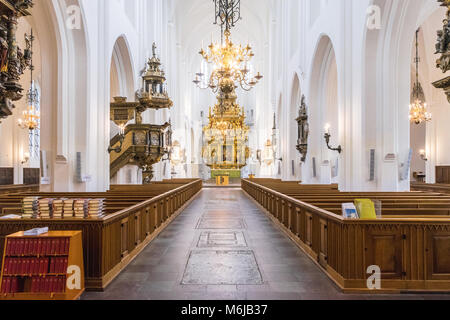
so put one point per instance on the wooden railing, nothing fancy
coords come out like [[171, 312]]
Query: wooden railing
[[19, 188], [438, 187], [111, 243], [412, 253]]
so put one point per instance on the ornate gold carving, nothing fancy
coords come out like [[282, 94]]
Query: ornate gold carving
[[13, 61]]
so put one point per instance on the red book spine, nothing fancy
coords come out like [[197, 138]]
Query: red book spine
[[13, 246], [57, 264], [49, 247], [35, 250], [8, 285], [42, 266], [52, 249], [63, 284], [46, 265], [12, 266], [58, 285], [6, 266], [50, 284], [18, 266], [39, 247], [33, 284], [36, 266], [31, 271], [58, 246], [23, 269], [52, 265], [21, 247], [8, 247], [47, 285], [26, 246], [26, 266], [66, 262], [14, 285], [66, 251], [40, 285], [4, 285]]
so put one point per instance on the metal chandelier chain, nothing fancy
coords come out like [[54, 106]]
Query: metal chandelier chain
[[228, 13], [418, 112]]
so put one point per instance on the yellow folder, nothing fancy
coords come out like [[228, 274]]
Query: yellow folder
[[366, 209]]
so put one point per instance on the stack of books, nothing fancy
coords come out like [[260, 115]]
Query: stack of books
[[30, 206], [96, 208], [58, 208], [68, 208], [80, 208], [46, 208]]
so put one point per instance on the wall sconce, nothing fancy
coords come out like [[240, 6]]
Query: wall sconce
[[118, 149], [328, 137], [423, 155], [26, 158]]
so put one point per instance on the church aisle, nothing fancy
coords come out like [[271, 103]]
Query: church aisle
[[223, 247]]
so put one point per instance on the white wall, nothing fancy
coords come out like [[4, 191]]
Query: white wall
[[357, 79]]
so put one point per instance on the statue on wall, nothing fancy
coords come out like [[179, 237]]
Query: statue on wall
[[443, 48], [13, 61], [303, 130], [443, 41]]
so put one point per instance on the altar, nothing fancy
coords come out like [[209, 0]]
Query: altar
[[232, 174]]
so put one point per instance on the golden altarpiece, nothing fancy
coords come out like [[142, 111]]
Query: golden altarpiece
[[225, 148]]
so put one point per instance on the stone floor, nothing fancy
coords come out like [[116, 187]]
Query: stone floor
[[222, 247]]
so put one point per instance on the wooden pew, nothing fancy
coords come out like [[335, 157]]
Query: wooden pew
[[111, 243], [12, 189], [410, 245]]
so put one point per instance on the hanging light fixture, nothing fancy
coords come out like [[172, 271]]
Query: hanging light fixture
[[231, 62], [418, 108], [30, 117]]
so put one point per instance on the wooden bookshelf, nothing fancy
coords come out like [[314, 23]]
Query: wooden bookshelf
[[36, 267]]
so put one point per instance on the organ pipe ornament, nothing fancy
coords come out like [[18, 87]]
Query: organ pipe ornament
[[303, 130], [418, 108], [139, 143], [13, 61], [443, 48]]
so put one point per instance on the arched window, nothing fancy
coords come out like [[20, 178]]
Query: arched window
[[34, 142]]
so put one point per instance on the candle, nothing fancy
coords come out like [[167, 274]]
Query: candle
[[327, 128]]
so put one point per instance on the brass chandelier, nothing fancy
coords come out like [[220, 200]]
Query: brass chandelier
[[230, 62], [230, 66], [418, 108], [31, 116]]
